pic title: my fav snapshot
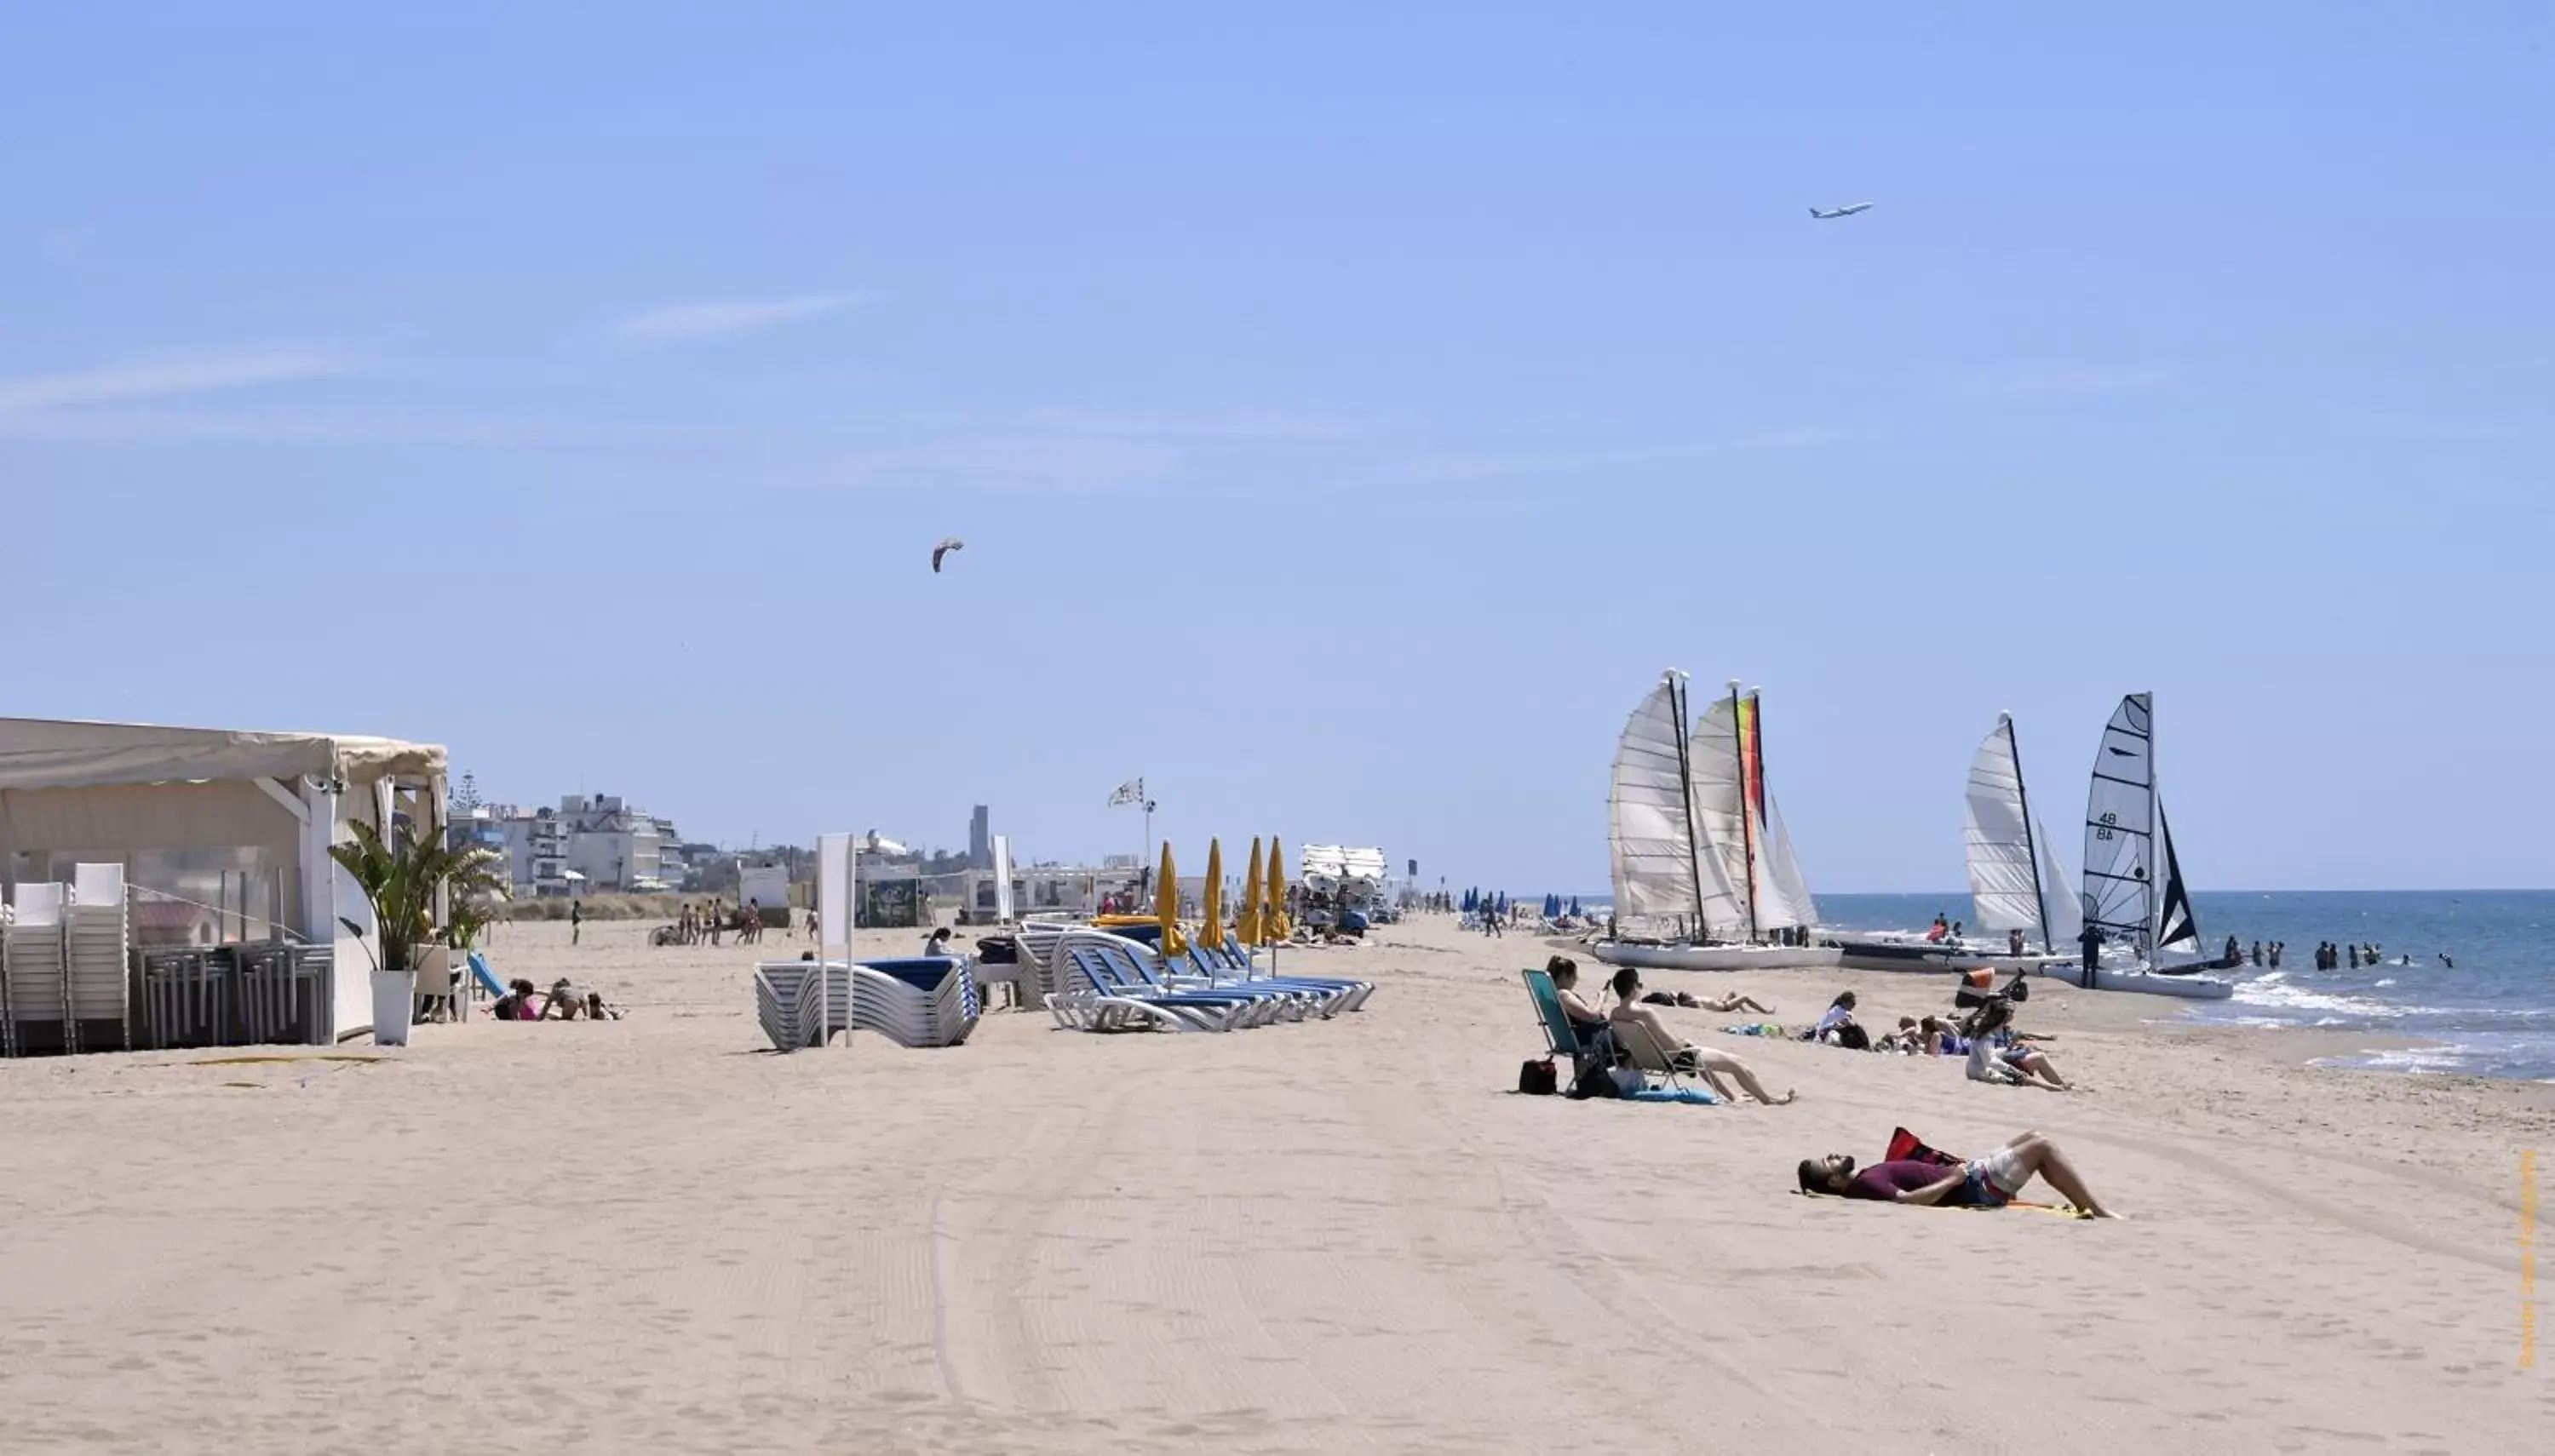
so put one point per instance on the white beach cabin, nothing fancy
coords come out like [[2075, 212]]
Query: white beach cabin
[[180, 806]]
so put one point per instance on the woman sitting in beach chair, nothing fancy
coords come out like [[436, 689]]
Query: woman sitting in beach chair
[[1638, 1027], [1586, 1021]]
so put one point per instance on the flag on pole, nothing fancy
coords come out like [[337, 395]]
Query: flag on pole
[[1131, 792]]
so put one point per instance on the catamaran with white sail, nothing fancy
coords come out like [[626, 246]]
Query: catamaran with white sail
[[1705, 878], [2150, 939], [2017, 881]]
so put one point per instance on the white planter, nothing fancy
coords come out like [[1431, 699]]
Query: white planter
[[394, 1007]]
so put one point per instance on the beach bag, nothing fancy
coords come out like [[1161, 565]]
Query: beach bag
[[1852, 1037], [1906, 1147], [1536, 1078], [1596, 1079]]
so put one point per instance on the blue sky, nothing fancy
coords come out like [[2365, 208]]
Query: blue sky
[[1348, 410]]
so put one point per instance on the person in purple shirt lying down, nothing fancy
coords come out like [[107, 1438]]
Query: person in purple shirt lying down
[[1992, 1181]]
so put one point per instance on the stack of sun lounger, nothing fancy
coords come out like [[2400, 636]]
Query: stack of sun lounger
[[96, 936], [1036, 941], [927, 1001], [1106, 982]]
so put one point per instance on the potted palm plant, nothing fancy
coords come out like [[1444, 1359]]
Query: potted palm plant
[[403, 881]]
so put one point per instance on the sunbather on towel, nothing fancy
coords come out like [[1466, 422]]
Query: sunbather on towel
[[1704, 1061], [1992, 1181]]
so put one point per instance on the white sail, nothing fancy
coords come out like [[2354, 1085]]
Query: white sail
[[1656, 851], [1783, 895], [1753, 849], [2004, 881], [1727, 838], [2121, 862], [2057, 893]]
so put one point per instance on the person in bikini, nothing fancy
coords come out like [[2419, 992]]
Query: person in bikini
[[1586, 1021], [1992, 1181]]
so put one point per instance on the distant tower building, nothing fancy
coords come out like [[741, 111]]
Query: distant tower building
[[980, 840]]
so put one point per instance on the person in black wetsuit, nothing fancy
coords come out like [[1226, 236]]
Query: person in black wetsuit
[[2091, 939]]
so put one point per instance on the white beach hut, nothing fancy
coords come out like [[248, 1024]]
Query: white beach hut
[[166, 801]]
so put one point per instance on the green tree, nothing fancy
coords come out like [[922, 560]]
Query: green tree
[[401, 881]]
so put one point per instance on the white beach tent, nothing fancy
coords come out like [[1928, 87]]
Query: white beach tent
[[101, 792]]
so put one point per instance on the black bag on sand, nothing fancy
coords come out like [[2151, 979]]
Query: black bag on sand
[[1852, 1037], [1538, 1078], [1596, 1079]]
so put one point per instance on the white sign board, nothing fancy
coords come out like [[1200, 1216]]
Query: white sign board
[[1003, 879], [833, 894]]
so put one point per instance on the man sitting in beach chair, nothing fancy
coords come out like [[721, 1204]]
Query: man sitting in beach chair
[[1992, 1181], [1640, 1032]]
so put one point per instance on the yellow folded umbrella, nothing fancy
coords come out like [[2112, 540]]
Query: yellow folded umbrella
[[1274, 925], [1167, 906], [1246, 925], [1211, 912]]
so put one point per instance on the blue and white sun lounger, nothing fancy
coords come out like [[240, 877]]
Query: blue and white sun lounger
[[1093, 995]]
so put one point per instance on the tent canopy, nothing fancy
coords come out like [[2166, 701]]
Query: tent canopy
[[45, 752]]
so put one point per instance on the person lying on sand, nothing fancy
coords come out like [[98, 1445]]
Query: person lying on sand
[[1704, 1061], [516, 1005], [1688, 1000], [1992, 1181]]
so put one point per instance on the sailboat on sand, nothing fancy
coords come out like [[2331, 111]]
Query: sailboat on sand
[[1705, 878], [2017, 883], [2150, 941]]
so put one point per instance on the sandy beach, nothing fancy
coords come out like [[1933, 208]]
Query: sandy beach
[[654, 1235]]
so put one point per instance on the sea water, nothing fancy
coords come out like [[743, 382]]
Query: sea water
[[2491, 1015]]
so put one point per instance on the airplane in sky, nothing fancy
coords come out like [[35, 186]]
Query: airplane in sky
[[1850, 210]]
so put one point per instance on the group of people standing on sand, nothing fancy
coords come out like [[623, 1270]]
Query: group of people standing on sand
[[704, 924], [699, 924]]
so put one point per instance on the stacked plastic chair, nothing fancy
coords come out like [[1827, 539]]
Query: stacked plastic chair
[[96, 937], [929, 1000], [39, 991]]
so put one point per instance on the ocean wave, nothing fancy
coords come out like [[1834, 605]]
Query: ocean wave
[[2275, 993], [2419, 1060]]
